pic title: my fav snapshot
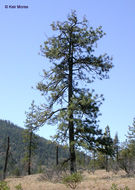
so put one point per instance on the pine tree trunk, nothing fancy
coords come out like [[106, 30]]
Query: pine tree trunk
[[29, 156], [94, 161], [117, 156], [6, 159], [84, 160], [70, 124], [107, 170], [72, 149], [57, 158]]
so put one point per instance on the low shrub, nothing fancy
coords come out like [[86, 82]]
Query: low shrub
[[19, 187], [54, 174], [4, 186], [115, 187], [72, 180]]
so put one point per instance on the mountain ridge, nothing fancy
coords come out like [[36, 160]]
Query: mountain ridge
[[45, 154]]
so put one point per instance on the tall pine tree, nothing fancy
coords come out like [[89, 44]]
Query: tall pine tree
[[70, 104]]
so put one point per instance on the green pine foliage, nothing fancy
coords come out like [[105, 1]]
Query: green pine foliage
[[127, 153], [29, 139], [131, 133], [116, 147], [106, 150], [108, 142], [73, 108]]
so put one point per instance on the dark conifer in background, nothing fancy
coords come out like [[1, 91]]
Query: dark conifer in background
[[29, 138]]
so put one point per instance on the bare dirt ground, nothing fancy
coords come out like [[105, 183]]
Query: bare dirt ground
[[100, 180]]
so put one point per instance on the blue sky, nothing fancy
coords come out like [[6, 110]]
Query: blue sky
[[22, 31]]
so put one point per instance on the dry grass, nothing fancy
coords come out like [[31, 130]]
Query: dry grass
[[98, 181]]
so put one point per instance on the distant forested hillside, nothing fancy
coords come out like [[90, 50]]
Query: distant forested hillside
[[45, 154]]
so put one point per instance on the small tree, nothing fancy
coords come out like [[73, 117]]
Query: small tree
[[29, 138], [126, 161], [107, 146], [127, 154], [116, 147], [131, 141], [131, 133]]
